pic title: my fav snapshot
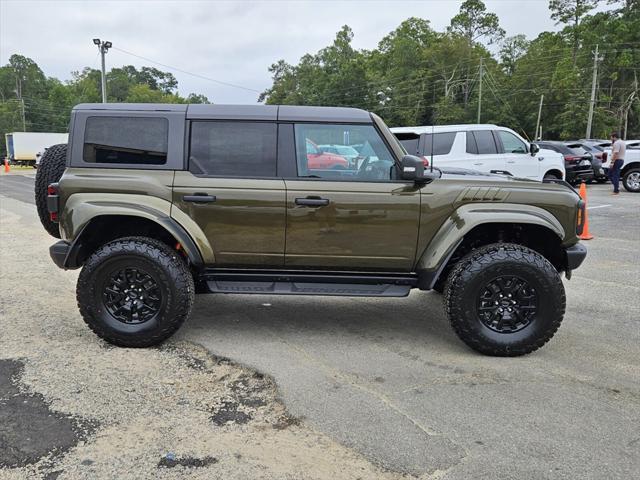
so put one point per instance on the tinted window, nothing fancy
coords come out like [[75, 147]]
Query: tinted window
[[373, 162], [511, 143], [578, 149], [485, 141], [441, 142], [410, 142], [233, 149], [126, 140], [471, 143]]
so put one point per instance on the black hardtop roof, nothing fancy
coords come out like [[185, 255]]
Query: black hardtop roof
[[287, 113]]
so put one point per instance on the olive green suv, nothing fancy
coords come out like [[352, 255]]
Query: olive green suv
[[159, 202]]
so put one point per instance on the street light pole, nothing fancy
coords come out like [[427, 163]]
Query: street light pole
[[104, 48]]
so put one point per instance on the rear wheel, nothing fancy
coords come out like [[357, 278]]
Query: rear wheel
[[49, 171], [135, 292], [504, 300], [631, 180], [551, 176]]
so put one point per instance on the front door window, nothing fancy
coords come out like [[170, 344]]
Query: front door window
[[342, 152]]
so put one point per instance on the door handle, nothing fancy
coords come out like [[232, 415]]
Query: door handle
[[479, 163], [312, 202], [511, 161], [199, 198]]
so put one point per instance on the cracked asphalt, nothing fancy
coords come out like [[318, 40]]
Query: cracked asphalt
[[385, 379]]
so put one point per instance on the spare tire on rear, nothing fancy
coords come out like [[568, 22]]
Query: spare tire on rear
[[49, 171]]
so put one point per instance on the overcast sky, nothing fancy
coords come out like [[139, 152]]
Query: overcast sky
[[230, 41]]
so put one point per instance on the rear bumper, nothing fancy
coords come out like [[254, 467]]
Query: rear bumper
[[575, 256], [579, 175], [59, 252]]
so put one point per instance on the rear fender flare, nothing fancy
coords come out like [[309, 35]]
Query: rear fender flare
[[81, 209]]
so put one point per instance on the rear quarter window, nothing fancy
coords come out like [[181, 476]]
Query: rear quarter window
[[439, 143], [126, 140]]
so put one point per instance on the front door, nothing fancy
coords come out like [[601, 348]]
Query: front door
[[355, 218], [232, 193], [517, 158]]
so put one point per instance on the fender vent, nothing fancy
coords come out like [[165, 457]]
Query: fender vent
[[482, 194]]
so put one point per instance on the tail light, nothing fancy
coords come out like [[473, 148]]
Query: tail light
[[425, 161], [572, 158], [53, 198]]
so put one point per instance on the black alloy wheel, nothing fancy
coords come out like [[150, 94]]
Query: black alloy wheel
[[507, 304], [131, 296]]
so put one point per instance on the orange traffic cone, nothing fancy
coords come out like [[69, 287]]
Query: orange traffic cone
[[585, 235], [6, 165]]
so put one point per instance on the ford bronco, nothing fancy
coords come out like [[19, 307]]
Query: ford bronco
[[159, 202]]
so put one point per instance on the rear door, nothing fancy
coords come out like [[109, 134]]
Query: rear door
[[232, 191], [359, 218], [484, 152]]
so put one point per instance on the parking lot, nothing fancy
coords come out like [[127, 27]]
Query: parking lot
[[318, 387]]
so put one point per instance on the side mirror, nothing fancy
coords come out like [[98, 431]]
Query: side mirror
[[413, 170], [534, 149]]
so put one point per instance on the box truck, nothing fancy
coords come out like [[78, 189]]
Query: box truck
[[24, 148]]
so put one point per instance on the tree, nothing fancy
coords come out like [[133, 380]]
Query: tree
[[512, 49], [474, 22], [571, 12]]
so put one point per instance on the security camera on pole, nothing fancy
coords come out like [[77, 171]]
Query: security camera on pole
[[103, 47]]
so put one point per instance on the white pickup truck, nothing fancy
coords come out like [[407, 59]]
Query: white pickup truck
[[630, 172]]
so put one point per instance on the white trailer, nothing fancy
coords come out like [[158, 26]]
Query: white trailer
[[24, 148]]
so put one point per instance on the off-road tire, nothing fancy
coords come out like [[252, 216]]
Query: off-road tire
[[628, 185], [478, 268], [49, 171], [167, 269]]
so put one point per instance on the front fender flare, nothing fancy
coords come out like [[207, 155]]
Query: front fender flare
[[469, 216]]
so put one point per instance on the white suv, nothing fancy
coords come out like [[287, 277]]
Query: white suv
[[487, 148]]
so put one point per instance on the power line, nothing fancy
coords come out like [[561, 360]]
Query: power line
[[197, 75]]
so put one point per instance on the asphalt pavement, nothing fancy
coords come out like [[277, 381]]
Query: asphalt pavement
[[389, 379]]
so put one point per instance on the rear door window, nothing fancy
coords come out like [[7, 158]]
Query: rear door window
[[233, 149], [126, 140], [485, 141]]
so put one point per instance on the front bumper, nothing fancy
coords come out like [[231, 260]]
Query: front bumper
[[59, 252], [575, 256]]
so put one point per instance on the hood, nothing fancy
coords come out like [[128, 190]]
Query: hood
[[454, 172]]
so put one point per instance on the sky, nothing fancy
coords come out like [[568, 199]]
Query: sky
[[229, 41]]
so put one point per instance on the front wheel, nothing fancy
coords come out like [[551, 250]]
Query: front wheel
[[631, 180], [504, 300], [135, 292]]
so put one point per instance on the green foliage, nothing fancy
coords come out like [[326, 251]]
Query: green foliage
[[417, 76], [474, 22], [47, 102]]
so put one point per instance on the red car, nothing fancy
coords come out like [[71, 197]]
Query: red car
[[319, 160]]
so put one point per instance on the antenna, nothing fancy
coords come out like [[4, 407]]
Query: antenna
[[433, 136]]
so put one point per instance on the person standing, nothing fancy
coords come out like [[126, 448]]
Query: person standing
[[618, 150]]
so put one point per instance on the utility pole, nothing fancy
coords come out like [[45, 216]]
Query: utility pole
[[480, 91], [539, 135], [593, 92], [24, 121], [104, 48]]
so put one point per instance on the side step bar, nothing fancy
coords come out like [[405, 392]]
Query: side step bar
[[305, 283]]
